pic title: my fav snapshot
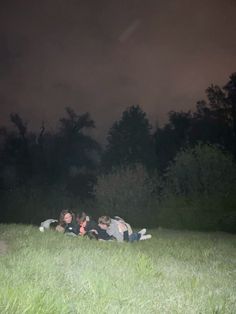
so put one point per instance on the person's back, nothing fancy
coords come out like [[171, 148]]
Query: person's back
[[116, 229]]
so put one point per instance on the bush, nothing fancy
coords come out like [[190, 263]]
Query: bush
[[127, 192], [199, 189], [201, 171]]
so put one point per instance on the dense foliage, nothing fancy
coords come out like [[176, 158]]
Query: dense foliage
[[128, 192]]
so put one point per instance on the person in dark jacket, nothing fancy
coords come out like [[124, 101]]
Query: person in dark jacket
[[90, 228], [85, 224]]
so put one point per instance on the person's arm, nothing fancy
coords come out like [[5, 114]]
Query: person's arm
[[103, 235], [59, 228]]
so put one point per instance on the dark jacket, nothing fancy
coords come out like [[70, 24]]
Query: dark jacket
[[72, 228], [99, 234]]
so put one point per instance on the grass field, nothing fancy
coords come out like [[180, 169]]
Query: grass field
[[174, 272]]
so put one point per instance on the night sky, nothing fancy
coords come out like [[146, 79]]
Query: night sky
[[103, 56]]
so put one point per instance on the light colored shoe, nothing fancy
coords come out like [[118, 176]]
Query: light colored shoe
[[143, 231], [145, 237]]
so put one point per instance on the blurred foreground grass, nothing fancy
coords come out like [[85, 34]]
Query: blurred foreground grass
[[174, 272]]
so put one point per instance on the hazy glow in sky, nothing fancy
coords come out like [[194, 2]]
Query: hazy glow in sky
[[102, 56]]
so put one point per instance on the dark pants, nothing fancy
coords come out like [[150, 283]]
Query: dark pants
[[135, 236]]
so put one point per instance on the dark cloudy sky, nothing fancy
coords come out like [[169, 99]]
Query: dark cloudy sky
[[104, 55]]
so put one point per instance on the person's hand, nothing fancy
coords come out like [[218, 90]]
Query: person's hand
[[60, 228], [121, 226], [94, 230]]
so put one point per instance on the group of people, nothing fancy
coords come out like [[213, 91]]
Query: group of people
[[106, 229]]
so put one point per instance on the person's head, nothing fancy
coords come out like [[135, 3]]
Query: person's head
[[104, 222], [66, 217], [81, 218]]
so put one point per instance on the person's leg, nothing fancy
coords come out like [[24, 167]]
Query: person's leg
[[143, 231], [135, 236], [126, 236], [145, 237]]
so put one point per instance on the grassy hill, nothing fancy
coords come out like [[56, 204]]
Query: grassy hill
[[174, 272]]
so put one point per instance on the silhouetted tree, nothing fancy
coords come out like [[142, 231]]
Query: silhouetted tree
[[213, 121], [130, 140], [40, 172], [50, 158], [171, 137], [230, 89], [16, 151], [78, 152]]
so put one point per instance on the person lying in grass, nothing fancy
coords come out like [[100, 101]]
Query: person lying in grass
[[120, 230], [85, 223], [67, 223], [90, 228]]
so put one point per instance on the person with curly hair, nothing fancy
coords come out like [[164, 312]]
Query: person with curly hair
[[67, 223]]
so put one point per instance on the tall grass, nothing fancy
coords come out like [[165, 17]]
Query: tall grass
[[174, 272]]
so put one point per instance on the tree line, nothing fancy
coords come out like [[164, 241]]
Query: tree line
[[70, 162]]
